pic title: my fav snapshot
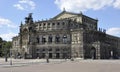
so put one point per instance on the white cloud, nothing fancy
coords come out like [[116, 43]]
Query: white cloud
[[114, 31], [116, 4], [83, 5], [8, 36], [18, 6], [6, 22], [25, 5]]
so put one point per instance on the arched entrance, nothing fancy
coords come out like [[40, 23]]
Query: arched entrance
[[57, 55], [43, 55], [64, 55], [114, 53], [93, 53], [50, 55]]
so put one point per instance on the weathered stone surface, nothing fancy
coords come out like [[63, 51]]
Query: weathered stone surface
[[67, 35]]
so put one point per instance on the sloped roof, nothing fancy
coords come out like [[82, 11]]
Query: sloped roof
[[63, 13]]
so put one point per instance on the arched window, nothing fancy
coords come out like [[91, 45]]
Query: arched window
[[58, 23], [40, 24], [50, 49], [38, 40], [43, 49], [53, 24], [57, 49], [57, 39], [63, 23], [50, 39], [65, 39], [43, 39], [48, 24], [44, 24]]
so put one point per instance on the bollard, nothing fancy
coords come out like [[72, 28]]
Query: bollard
[[6, 59], [47, 60]]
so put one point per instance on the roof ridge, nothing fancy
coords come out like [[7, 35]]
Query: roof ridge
[[67, 13]]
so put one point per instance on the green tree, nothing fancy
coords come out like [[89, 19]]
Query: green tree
[[1, 46], [5, 47]]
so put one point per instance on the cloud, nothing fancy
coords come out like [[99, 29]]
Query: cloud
[[114, 31], [84, 5], [6, 22], [116, 4], [25, 5], [18, 6], [8, 36]]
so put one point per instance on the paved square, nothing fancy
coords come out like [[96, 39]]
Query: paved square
[[61, 66]]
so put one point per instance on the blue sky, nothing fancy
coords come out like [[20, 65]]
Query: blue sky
[[14, 11]]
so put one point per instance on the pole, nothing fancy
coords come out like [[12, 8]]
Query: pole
[[111, 54], [6, 58], [6, 55], [47, 57], [10, 57]]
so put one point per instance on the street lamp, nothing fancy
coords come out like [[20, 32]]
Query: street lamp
[[111, 54], [72, 58], [47, 57], [6, 58], [10, 56]]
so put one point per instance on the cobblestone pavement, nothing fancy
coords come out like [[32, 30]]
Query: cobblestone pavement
[[24, 62], [78, 65]]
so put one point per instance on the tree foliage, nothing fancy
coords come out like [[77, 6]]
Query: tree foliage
[[4, 47]]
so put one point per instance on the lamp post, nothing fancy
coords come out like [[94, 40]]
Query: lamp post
[[111, 54], [10, 56], [6, 59], [73, 55], [47, 57]]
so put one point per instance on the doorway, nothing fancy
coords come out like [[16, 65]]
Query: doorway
[[57, 55], [50, 55], [43, 55], [93, 53]]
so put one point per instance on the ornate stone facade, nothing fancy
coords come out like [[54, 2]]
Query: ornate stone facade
[[67, 35]]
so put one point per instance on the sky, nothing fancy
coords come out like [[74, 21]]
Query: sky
[[13, 12]]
